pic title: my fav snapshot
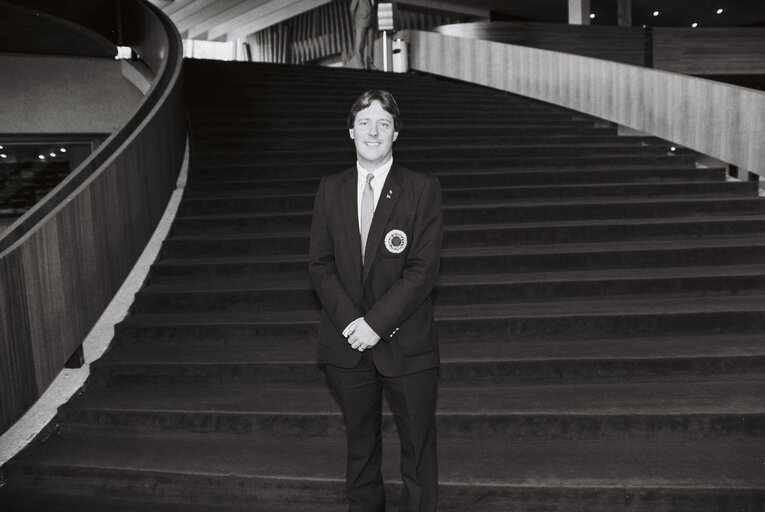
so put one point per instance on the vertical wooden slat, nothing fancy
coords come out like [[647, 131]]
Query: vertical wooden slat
[[327, 31]]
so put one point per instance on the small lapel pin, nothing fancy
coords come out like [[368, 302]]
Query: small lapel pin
[[390, 193]]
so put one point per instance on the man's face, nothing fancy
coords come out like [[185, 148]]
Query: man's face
[[373, 133]]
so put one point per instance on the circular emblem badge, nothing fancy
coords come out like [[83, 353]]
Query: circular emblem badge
[[395, 241]]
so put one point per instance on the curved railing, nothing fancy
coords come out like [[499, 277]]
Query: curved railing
[[695, 51], [723, 121], [61, 263]]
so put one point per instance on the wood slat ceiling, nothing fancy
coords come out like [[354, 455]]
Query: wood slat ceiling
[[226, 20]]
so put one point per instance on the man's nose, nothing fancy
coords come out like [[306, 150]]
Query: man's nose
[[373, 129]]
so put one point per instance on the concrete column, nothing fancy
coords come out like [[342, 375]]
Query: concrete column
[[578, 12], [625, 13]]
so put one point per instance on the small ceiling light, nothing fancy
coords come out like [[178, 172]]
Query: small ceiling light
[[41, 157], [53, 155], [694, 25], [3, 155], [655, 13], [592, 16], [1, 147], [673, 148], [720, 11], [62, 150]]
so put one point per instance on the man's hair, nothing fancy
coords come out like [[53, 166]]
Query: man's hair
[[387, 101]]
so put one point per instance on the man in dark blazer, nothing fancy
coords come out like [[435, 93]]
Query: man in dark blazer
[[374, 258]]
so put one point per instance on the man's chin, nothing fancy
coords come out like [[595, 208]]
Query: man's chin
[[372, 161]]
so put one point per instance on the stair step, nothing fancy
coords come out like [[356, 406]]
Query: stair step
[[497, 197], [283, 141], [555, 320], [646, 398], [223, 261], [295, 213], [478, 235], [256, 191], [222, 132], [218, 171], [430, 158], [488, 178], [582, 464], [244, 295], [420, 150], [684, 410]]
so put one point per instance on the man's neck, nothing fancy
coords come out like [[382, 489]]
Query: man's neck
[[387, 163]]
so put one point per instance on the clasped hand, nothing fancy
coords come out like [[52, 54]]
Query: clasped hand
[[360, 335]]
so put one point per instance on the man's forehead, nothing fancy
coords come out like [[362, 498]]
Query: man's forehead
[[374, 109]]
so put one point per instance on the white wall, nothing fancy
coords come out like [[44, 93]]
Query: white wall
[[51, 94]]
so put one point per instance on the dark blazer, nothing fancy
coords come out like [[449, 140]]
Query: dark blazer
[[392, 290]]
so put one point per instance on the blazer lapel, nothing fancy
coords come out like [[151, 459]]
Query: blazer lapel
[[350, 214], [388, 199]]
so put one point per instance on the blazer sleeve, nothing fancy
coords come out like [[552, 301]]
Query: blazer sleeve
[[419, 277], [322, 267]]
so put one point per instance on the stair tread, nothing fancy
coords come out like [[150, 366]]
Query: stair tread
[[222, 284], [477, 172], [457, 349], [699, 199], [590, 247], [271, 194], [648, 398], [567, 308], [255, 167], [687, 464], [439, 147], [685, 220]]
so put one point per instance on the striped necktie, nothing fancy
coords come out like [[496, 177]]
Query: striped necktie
[[367, 212]]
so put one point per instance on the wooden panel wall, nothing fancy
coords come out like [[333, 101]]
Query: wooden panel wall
[[327, 31], [57, 275], [620, 44], [710, 51], [700, 51], [723, 121]]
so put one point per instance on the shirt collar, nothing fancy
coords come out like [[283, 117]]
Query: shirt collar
[[383, 169]]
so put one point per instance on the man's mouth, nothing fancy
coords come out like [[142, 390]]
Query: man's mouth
[[372, 143]]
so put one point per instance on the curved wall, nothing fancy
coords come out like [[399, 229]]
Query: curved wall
[[61, 263], [47, 94], [723, 121], [695, 51]]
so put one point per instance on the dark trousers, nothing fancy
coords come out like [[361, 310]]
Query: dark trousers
[[412, 400]]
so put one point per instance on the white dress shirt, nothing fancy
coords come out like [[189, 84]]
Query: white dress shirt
[[380, 174]]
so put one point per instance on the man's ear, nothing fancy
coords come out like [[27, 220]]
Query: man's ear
[[350, 132], [395, 136]]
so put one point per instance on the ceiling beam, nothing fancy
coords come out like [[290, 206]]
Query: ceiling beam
[[203, 15], [174, 6], [239, 9], [460, 7], [270, 13], [189, 9]]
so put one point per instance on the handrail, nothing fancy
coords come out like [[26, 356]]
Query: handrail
[[723, 121], [61, 263], [25, 223]]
